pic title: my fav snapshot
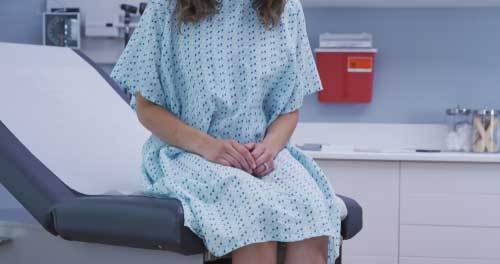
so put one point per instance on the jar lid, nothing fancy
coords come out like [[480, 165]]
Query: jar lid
[[458, 111], [486, 112]]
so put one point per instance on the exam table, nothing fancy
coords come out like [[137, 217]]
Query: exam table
[[47, 162]]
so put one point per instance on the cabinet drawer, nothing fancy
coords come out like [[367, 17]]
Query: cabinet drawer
[[453, 178], [450, 242], [414, 260], [457, 194], [451, 209]]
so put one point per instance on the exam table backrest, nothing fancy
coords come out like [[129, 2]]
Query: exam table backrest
[[66, 112], [33, 184], [121, 92]]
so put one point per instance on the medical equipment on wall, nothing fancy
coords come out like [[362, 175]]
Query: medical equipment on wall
[[128, 18], [459, 122], [102, 25], [62, 29], [346, 67], [102, 18]]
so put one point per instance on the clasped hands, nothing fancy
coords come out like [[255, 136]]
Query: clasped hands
[[255, 158]]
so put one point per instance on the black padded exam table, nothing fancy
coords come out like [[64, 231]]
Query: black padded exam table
[[107, 219]]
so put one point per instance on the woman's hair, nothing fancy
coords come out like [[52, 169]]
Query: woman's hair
[[195, 10]]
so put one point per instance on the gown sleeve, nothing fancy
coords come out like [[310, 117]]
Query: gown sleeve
[[306, 73], [139, 67]]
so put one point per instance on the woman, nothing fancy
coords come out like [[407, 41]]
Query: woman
[[219, 85]]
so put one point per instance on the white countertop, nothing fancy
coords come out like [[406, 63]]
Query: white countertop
[[328, 153]]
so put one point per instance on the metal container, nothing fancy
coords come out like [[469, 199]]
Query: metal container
[[459, 122], [485, 133]]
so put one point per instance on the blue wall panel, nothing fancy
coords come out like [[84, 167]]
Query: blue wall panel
[[21, 21], [428, 60]]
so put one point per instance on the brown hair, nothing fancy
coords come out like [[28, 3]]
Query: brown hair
[[190, 11]]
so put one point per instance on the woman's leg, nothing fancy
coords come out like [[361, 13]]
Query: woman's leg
[[257, 253], [312, 250]]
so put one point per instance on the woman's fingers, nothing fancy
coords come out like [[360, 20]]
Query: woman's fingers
[[262, 156], [264, 170], [232, 161], [265, 157], [250, 157], [224, 162], [271, 168], [246, 154], [258, 151], [250, 146], [260, 170], [238, 157], [264, 160]]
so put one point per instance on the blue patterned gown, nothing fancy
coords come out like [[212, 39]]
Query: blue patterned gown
[[230, 77]]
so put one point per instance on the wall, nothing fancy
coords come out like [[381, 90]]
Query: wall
[[21, 21], [428, 60]]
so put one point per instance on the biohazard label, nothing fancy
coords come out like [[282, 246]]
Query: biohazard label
[[359, 64]]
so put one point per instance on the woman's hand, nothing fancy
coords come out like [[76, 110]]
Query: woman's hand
[[229, 153], [264, 155], [277, 136]]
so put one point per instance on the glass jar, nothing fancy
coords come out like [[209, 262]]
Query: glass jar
[[459, 124], [485, 136]]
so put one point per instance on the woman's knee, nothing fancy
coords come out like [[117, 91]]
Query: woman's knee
[[320, 245], [313, 241], [314, 249], [268, 247], [262, 252]]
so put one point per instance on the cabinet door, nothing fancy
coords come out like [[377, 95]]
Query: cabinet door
[[375, 186]]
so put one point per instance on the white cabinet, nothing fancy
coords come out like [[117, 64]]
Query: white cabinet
[[418, 208], [375, 186], [449, 213], [417, 212], [400, 3]]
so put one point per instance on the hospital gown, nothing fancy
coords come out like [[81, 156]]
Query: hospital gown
[[230, 77]]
